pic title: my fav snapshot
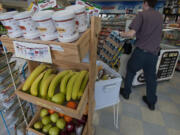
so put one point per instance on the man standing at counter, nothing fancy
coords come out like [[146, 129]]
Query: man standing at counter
[[147, 27]]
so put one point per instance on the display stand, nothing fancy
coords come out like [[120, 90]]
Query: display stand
[[69, 57]]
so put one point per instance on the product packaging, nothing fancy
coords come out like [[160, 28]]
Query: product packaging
[[66, 26], [46, 25], [11, 24], [81, 18], [27, 25]]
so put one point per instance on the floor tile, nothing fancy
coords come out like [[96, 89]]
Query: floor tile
[[104, 131], [164, 97], [175, 98], [171, 120], [153, 117], [152, 129], [173, 131], [107, 121], [131, 110], [130, 126], [135, 99], [168, 107]]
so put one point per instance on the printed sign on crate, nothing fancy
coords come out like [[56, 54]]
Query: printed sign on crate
[[32, 51]]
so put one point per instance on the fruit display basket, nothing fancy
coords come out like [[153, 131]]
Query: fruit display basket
[[36, 118], [75, 113], [70, 52]]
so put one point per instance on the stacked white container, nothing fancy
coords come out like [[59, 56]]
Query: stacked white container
[[81, 18], [27, 25], [11, 24], [66, 26], [46, 25]]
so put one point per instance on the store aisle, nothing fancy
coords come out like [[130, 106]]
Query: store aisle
[[136, 119]]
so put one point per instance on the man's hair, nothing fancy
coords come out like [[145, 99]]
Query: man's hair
[[151, 3]]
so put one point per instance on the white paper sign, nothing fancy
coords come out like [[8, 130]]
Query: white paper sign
[[32, 51]]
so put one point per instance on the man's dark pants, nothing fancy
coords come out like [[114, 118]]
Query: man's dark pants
[[141, 59]]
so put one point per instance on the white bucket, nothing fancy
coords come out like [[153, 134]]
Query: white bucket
[[81, 18], [46, 25], [66, 26], [27, 25], [11, 24]]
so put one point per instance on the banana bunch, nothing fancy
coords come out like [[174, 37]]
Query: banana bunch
[[43, 82], [76, 85]]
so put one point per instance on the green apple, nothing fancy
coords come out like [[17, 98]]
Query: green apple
[[54, 131], [54, 117], [61, 123], [58, 98], [38, 125], [44, 112], [46, 120], [46, 128]]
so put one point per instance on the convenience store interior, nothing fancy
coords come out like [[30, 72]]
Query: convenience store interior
[[120, 117]]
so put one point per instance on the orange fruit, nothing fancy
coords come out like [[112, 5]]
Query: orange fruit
[[51, 111], [67, 119], [61, 115], [71, 104]]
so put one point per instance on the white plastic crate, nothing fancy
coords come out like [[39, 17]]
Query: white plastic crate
[[107, 91]]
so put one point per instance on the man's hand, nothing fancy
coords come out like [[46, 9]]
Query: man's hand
[[129, 34]]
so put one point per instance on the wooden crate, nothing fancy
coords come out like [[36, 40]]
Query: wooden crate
[[36, 118], [75, 113], [73, 52]]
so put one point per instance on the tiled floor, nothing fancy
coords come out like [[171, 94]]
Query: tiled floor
[[136, 119]]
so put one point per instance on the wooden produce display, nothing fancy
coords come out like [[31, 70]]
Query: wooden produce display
[[70, 52], [36, 118], [75, 113], [69, 57]]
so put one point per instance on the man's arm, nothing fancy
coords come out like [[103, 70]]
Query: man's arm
[[129, 34], [134, 27]]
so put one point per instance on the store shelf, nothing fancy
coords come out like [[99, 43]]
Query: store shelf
[[36, 118], [13, 3], [70, 52], [78, 113]]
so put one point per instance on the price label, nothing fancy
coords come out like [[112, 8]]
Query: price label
[[32, 51]]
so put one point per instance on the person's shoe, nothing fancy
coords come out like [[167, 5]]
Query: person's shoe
[[122, 92], [150, 106]]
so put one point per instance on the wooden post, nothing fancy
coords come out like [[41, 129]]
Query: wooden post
[[95, 29]]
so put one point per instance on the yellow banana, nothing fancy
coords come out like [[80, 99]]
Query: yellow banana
[[33, 76], [45, 85], [35, 85], [64, 82], [46, 75], [77, 84], [55, 82], [83, 86], [70, 86]]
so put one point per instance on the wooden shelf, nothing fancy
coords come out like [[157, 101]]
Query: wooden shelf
[[70, 58], [36, 118], [73, 52], [78, 113]]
